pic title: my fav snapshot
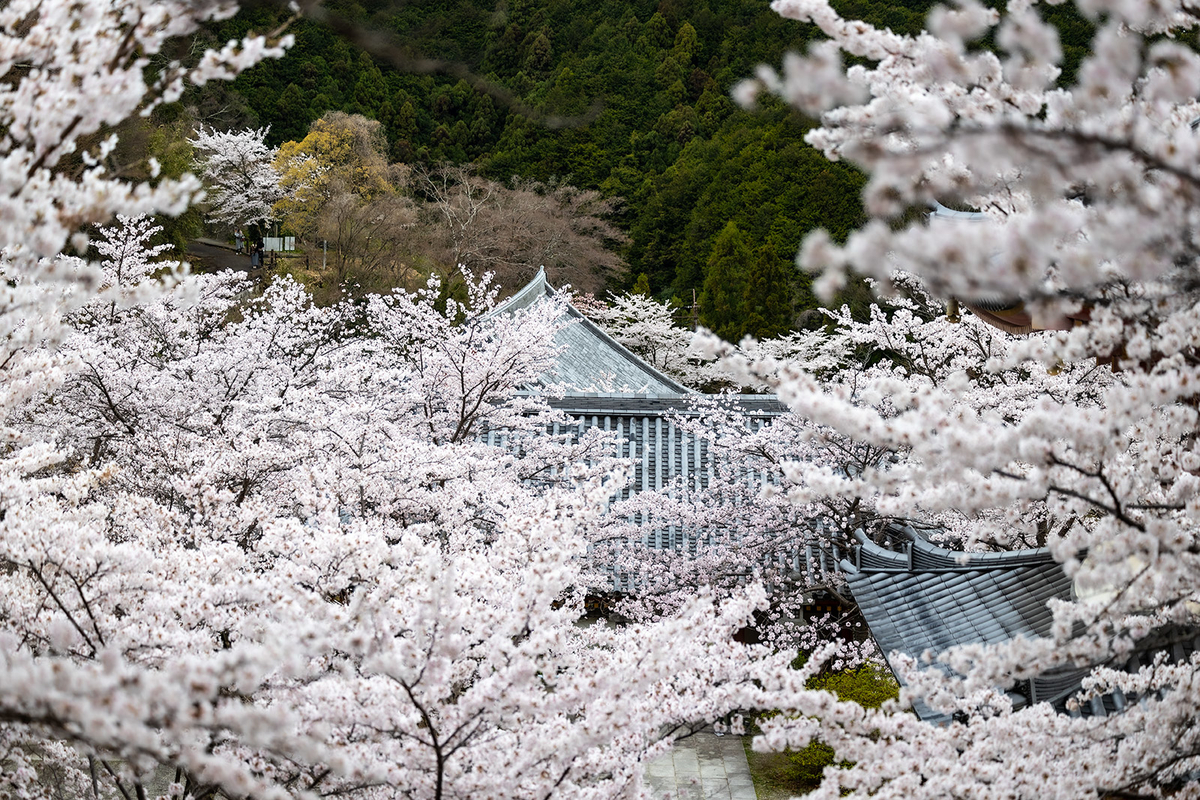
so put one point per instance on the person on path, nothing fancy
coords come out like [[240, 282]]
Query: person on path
[[256, 254], [239, 239]]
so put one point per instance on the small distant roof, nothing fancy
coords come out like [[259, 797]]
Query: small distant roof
[[591, 360], [925, 598], [943, 212]]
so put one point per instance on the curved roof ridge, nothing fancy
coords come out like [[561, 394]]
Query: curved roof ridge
[[526, 296], [539, 287], [923, 556], [955, 558], [930, 556]]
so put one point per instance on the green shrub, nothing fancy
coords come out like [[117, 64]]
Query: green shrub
[[869, 685], [800, 771]]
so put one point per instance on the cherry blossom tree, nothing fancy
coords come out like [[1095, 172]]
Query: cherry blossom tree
[[239, 170], [94, 62], [1090, 192], [259, 548], [74, 69], [328, 551]]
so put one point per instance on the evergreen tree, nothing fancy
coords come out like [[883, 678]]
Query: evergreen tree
[[767, 300], [540, 54], [686, 45], [370, 90], [401, 127], [658, 31], [723, 296], [292, 110]]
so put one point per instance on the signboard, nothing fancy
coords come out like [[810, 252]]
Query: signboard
[[276, 244]]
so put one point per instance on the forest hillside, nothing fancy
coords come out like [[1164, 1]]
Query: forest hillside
[[629, 99]]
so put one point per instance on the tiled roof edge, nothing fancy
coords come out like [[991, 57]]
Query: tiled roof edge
[[540, 286]]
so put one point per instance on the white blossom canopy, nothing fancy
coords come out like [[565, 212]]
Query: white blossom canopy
[[1092, 191]]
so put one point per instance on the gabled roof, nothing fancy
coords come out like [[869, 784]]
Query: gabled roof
[[592, 361]]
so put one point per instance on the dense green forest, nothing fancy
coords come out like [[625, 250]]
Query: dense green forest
[[628, 98]]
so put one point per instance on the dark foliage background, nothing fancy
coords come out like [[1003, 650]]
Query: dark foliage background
[[642, 89]]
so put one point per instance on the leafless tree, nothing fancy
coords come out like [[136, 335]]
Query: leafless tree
[[512, 231], [368, 238]]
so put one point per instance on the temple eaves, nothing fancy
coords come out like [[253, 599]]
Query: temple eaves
[[591, 361]]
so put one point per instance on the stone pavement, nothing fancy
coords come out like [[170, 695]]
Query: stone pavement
[[702, 767]]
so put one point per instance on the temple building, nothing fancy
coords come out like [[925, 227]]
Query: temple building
[[610, 388], [914, 596]]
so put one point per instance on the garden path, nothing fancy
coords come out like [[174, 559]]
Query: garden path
[[702, 767]]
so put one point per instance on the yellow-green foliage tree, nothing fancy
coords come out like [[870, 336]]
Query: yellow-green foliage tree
[[342, 153]]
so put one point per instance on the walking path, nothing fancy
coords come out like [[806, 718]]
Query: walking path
[[216, 255], [702, 767]]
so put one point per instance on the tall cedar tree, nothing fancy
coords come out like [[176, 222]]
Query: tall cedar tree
[[722, 298], [767, 301]]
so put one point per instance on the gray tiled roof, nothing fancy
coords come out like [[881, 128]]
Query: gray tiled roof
[[930, 599], [592, 358], [921, 598], [912, 612], [660, 451]]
